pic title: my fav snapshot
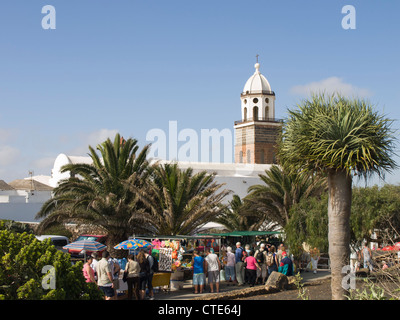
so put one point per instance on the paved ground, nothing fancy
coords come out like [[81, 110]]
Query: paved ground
[[187, 292]]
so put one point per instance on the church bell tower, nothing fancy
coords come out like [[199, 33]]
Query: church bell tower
[[257, 132]]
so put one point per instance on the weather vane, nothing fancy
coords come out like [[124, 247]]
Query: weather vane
[[257, 57]]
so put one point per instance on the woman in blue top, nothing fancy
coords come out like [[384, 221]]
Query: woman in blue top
[[198, 272]]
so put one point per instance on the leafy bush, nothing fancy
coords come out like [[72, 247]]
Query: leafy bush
[[370, 291], [22, 260], [15, 226]]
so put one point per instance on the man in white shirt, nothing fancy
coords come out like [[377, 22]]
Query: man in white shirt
[[213, 266], [104, 277]]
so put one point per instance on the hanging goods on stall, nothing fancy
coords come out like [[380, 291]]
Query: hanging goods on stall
[[165, 259]]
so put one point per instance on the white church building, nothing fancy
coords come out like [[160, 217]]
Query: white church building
[[254, 149]]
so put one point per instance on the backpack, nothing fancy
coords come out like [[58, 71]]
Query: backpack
[[260, 257], [270, 259], [154, 264]]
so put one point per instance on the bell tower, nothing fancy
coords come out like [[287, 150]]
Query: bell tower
[[257, 132]]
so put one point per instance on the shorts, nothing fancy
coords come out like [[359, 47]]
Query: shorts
[[213, 276], [198, 279], [108, 291], [142, 282]]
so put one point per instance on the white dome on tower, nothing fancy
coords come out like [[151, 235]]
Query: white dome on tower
[[257, 83]]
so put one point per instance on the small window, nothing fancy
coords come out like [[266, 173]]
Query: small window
[[255, 113], [241, 157], [245, 114], [59, 242], [245, 101], [248, 156], [255, 100], [266, 100]]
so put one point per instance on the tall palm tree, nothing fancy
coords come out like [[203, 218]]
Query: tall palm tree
[[338, 137], [96, 194], [179, 201], [281, 189]]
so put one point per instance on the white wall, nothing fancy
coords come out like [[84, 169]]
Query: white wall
[[20, 211], [21, 205]]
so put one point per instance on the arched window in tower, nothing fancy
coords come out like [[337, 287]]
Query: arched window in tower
[[248, 156], [266, 112], [245, 114], [255, 113], [241, 157]]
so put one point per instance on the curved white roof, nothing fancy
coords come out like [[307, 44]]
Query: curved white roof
[[257, 83], [62, 160]]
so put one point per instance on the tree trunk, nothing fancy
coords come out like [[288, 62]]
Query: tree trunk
[[113, 240], [339, 208]]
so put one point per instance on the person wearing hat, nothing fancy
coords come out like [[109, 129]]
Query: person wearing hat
[[286, 265]]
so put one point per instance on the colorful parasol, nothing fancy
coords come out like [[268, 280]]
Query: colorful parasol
[[132, 244], [87, 245]]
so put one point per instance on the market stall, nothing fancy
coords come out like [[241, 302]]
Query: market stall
[[174, 256], [230, 238], [134, 246]]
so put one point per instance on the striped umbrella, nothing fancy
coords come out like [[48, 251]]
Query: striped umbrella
[[132, 244], [87, 245]]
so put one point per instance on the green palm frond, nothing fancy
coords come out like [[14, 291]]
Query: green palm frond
[[338, 134], [98, 194], [281, 189], [178, 200]]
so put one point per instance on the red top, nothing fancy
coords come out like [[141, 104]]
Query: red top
[[85, 269], [251, 263]]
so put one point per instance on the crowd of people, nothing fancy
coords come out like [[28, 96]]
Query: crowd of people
[[138, 274], [239, 266]]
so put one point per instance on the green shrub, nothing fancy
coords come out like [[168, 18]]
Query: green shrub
[[15, 226], [22, 260]]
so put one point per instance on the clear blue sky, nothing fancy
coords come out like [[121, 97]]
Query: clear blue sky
[[131, 66]]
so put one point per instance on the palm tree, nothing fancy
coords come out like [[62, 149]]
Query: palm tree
[[236, 216], [338, 137], [96, 194], [179, 201], [280, 190]]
